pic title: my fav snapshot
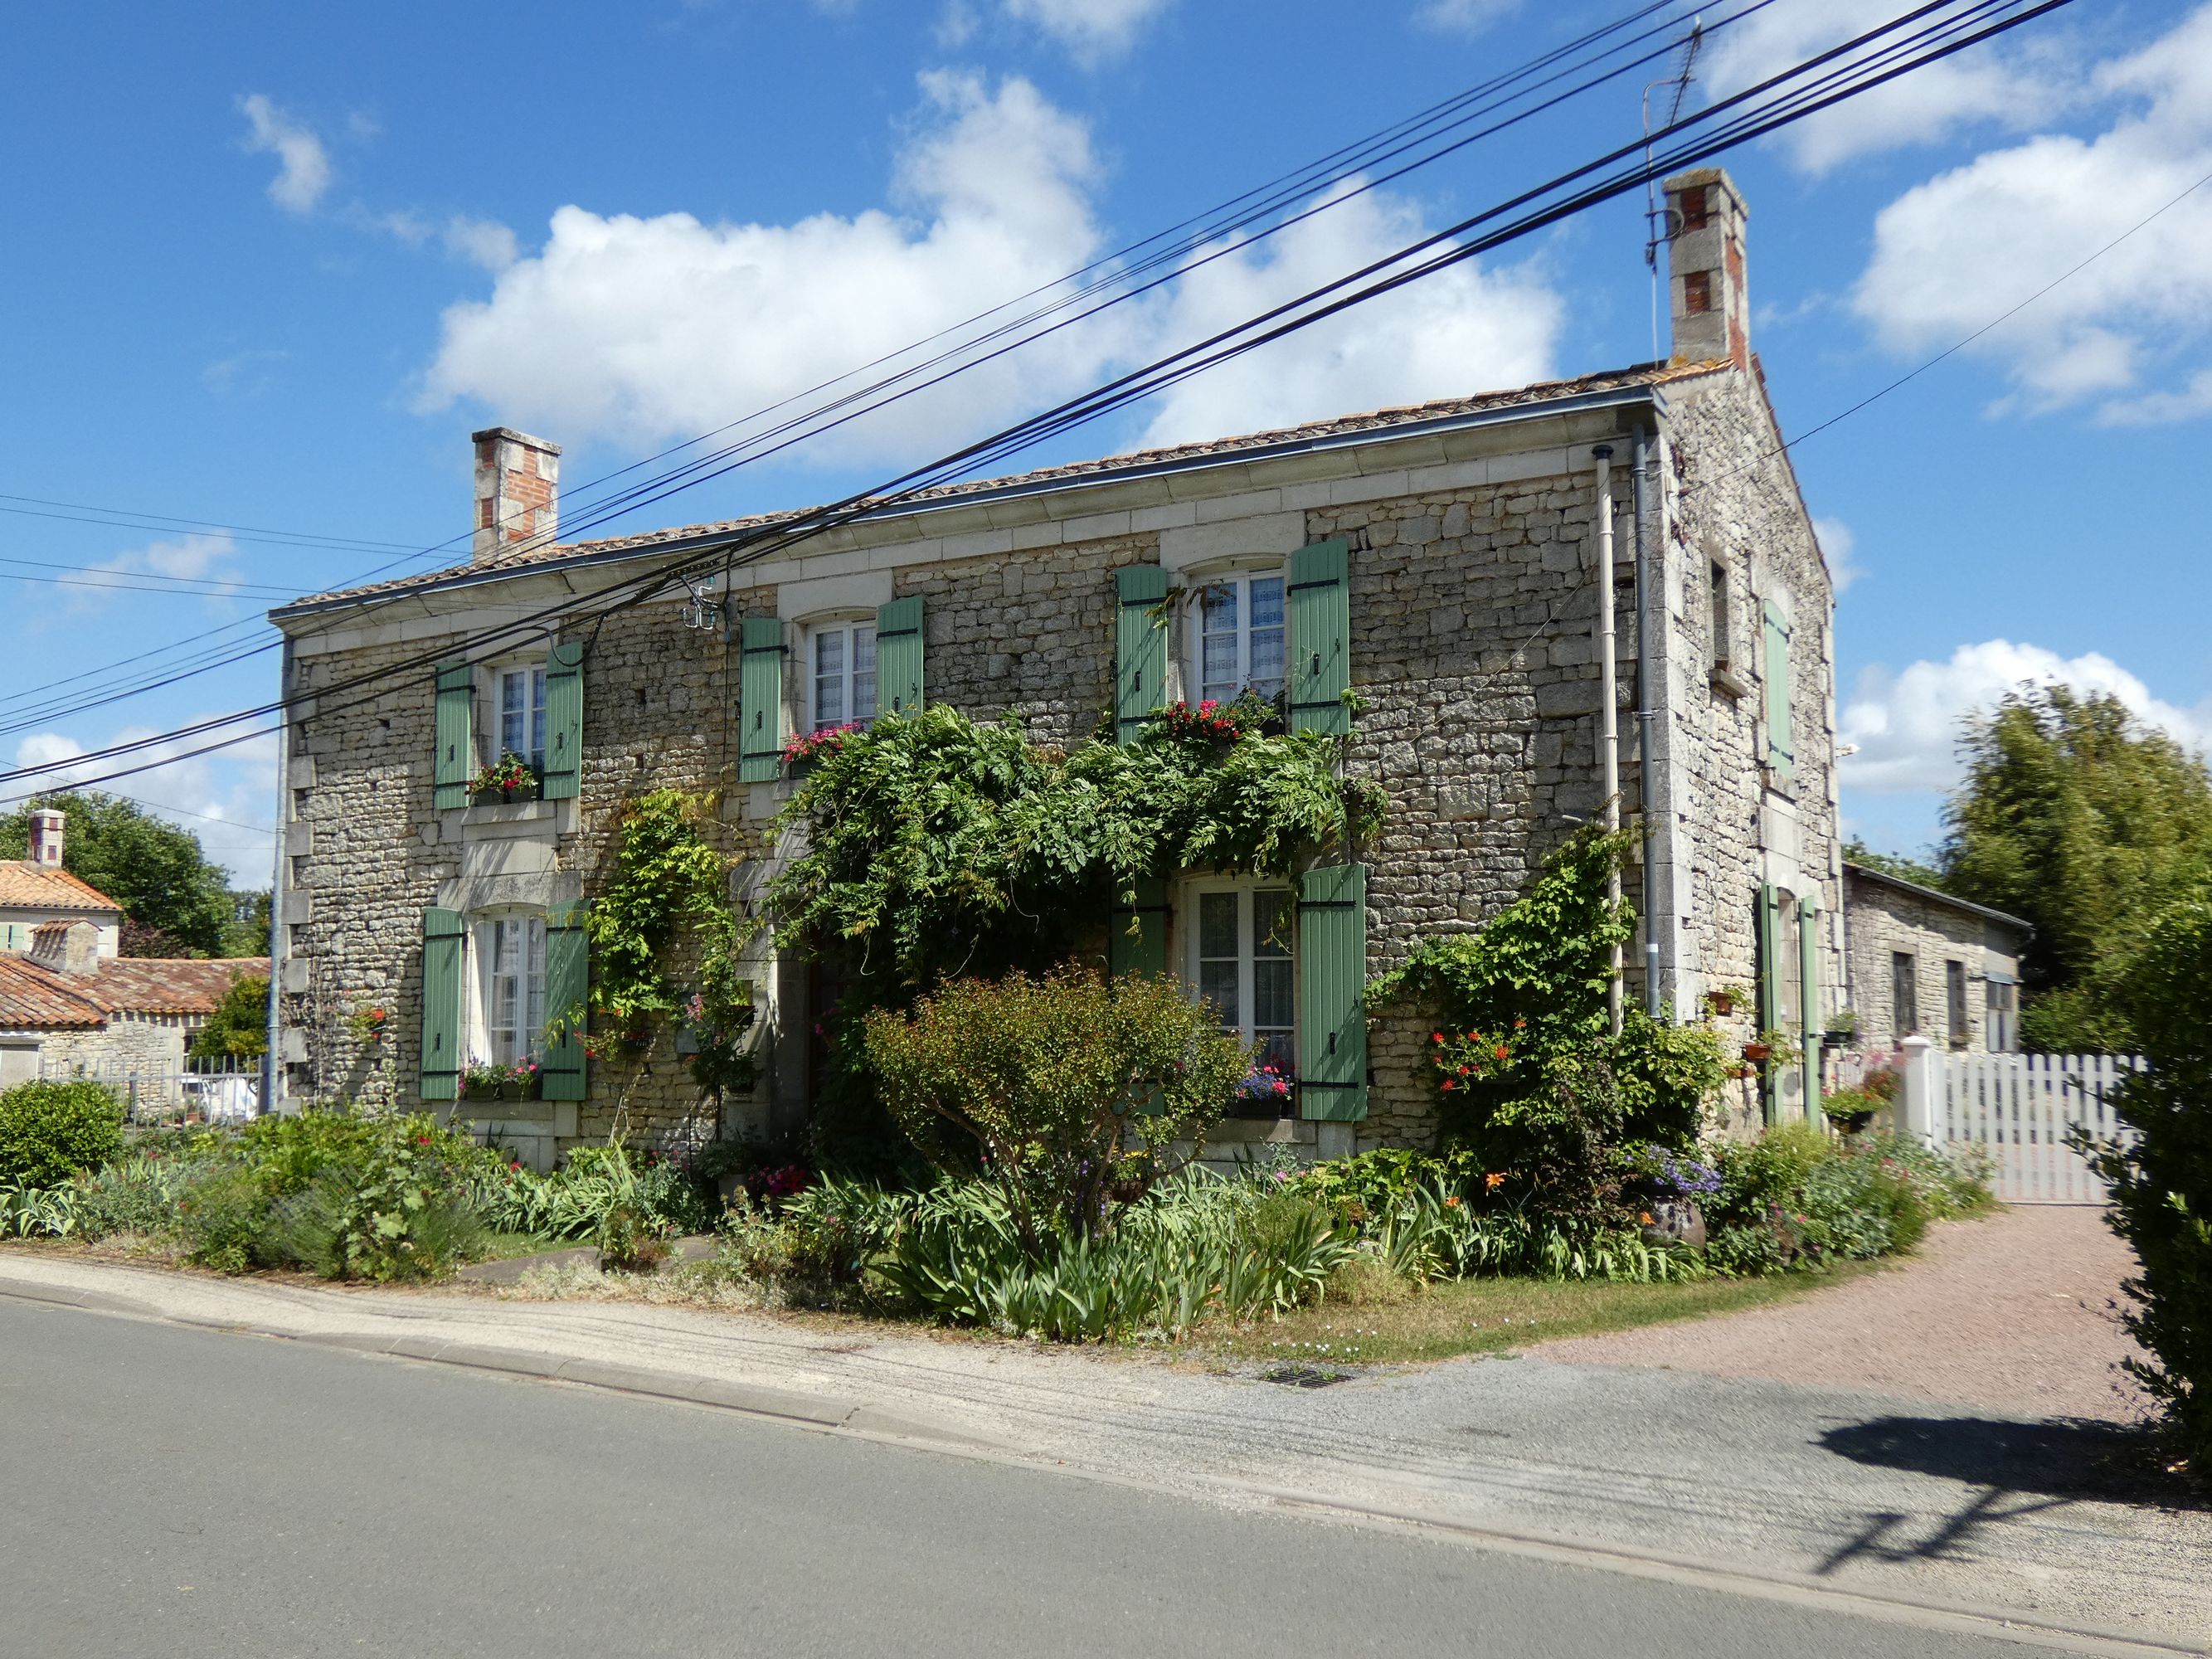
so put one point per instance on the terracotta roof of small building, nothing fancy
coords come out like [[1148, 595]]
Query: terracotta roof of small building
[[1379, 422], [34, 996], [29, 886]]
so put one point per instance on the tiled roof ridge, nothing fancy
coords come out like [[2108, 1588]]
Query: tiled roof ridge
[[1379, 421]]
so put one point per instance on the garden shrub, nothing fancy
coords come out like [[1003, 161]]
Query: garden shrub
[[50, 1131], [2161, 1186], [1072, 1088], [1798, 1197], [400, 1208], [1532, 1083]]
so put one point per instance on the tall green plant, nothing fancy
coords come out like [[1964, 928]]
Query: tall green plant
[[2161, 1181], [1529, 1075], [1072, 1088], [668, 885]]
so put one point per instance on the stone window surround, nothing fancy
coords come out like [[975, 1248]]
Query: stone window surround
[[484, 698]]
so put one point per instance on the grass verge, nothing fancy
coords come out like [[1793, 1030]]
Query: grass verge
[[1492, 1316]]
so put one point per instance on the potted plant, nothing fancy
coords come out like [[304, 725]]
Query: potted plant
[[368, 1023], [1775, 1046], [1263, 1085], [1722, 999], [802, 749], [519, 1080], [482, 1080], [511, 776], [1843, 1025]]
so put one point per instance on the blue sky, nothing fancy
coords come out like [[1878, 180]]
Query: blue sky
[[269, 266]]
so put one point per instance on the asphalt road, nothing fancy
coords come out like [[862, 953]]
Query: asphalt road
[[177, 1492]]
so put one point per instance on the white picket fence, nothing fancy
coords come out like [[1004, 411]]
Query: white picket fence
[[2017, 1112]]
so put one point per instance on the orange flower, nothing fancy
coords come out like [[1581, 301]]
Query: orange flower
[[1462, 1071], [1493, 1180], [1436, 1036], [1452, 1203], [1519, 1024], [1448, 1084], [1502, 1051], [1645, 1218]]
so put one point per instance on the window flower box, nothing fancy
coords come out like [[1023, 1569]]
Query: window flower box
[[512, 779]]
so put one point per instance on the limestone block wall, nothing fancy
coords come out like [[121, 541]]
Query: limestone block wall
[[1885, 920]]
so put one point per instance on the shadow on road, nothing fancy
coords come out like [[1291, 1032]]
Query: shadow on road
[[2018, 1469]]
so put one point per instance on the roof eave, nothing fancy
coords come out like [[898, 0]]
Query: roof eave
[[1920, 890], [1647, 393]]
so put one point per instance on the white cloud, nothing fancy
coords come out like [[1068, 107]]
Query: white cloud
[[670, 326], [1907, 724], [1465, 329], [1837, 545], [236, 785], [303, 166], [246, 374], [1963, 247], [2011, 82], [956, 26], [1464, 17], [1090, 29], [484, 242]]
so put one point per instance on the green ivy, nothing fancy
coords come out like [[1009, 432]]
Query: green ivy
[[936, 845], [668, 885]]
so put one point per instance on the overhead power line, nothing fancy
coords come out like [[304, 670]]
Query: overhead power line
[[1167, 247], [1941, 39]]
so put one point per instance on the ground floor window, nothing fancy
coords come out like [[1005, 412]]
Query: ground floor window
[[1904, 995], [1239, 962], [1955, 1003], [510, 952], [2001, 1034]]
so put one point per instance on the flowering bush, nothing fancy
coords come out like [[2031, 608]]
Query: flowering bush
[[511, 773], [806, 745], [1263, 1085]]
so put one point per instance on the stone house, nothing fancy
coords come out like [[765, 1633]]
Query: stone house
[[1457, 565], [1923, 963], [66, 1010], [36, 890]]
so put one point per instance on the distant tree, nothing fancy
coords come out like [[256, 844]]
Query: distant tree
[[139, 940], [247, 935], [239, 1024], [1893, 864], [156, 872], [2076, 816]]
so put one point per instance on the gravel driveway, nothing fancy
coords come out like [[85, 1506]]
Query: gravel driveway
[[2011, 1315]]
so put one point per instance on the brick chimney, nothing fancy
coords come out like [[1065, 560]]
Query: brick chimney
[[1712, 313], [517, 492], [67, 947], [47, 824]]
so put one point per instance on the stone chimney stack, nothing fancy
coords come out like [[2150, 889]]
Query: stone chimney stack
[[67, 947], [517, 492], [47, 824], [1712, 311]]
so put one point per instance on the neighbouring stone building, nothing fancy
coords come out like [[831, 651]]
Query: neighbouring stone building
[[36, 890], [1442, 561], [1922, 963]]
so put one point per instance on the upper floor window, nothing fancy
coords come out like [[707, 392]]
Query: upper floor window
[[511, 976], [1716, 611], [1240, 963], [1240, 644], [841, 663], [522, 715]]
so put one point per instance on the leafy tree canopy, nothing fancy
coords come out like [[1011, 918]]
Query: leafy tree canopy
[[1893, 863], [239, 1024], [179, 901], [2079, 819]]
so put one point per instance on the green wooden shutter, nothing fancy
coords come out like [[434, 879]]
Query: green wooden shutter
[[444, 938], [564, 721], [1320, 637], [1808, 941], [568, 980], [1139, 941], [760, 699], [1140, 648], [1331, 994], [455, 757], [898, 657], [1770, 985], [1780, 743]]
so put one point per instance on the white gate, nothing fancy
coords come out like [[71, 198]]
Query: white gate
[[2016, 1110]]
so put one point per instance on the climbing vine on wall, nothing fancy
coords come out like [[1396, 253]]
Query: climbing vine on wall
[[936, 844], [667, 899]]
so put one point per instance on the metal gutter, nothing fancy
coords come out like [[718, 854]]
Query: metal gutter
[[1645, 395]]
